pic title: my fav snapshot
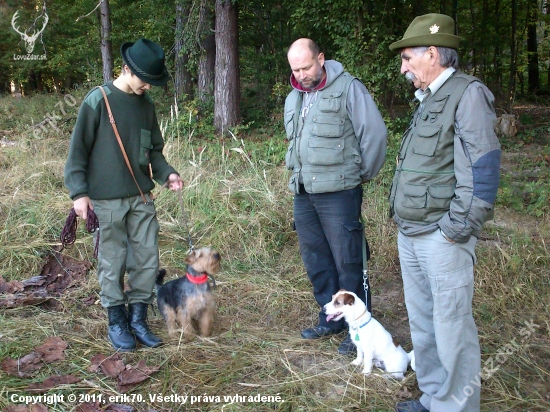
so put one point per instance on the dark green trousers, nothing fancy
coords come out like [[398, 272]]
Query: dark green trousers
[[128, 242]]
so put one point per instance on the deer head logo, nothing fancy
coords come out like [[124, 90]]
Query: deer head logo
[[29, 40]]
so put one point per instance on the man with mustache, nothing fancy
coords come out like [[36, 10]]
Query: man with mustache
[[337, 142], [444, 189]]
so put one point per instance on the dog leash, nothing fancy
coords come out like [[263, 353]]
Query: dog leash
[[365, 260], [180, 198], [191, 247]]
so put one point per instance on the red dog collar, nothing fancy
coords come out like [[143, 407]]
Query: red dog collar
[[197, 280]]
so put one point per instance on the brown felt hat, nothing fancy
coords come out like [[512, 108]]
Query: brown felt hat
[[429, 30]]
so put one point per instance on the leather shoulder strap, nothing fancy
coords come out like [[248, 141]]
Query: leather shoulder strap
[[112, 120]]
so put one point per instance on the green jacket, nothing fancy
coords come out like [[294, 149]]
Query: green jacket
[[95, 165]]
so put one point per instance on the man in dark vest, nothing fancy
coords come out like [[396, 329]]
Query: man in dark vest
[[337, 142], [444, 189]]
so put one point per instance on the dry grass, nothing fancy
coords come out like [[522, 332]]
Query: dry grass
[[239, 204]]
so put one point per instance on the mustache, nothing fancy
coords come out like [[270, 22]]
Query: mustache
[[410, 77]]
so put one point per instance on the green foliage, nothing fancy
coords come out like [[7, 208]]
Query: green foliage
[[524, 184]]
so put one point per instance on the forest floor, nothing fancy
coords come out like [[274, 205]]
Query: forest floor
[[53, 343]]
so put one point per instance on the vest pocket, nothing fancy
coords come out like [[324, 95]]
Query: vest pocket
[[429, 198], [428, 137], [438, 104], [328, 126], [330, 103], [145, 147], [439, 197], [325, 182], [288, 156], [289, 124], [325, 152], [414, 196]]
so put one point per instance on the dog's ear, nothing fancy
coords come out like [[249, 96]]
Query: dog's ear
[[348, 299], [191, 257]]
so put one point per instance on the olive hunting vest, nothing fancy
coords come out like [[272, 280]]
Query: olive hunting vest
[[323, 151], [424, 181]]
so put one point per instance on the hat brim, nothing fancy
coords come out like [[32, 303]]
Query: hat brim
[[154, 82], [438, 40]]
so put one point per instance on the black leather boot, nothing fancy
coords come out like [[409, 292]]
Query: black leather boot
[[120, 336], [138, 325]]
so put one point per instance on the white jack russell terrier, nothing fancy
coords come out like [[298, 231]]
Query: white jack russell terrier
[[372, 340]]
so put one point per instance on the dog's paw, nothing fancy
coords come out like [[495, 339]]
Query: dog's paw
[[357, 362], [398, 376], [378, 364], [366, 372]]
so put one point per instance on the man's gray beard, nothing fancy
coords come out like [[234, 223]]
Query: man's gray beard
[[315, 82], [410, 77]]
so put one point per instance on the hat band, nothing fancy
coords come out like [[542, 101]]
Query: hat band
[[137, 69]]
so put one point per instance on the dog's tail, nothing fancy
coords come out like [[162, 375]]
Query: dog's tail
[[160, 278], [410, 355]]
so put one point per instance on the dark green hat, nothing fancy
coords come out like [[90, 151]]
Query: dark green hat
[[429, 30], [146, 60]]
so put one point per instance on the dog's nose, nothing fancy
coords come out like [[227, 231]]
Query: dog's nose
[[216, 256]]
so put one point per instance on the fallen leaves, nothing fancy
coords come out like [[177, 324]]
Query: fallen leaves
[[127, 376], [51, 350], [53, 382], [58, 273], [134, 375]]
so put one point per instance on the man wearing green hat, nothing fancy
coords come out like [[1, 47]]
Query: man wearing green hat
[[444, 189], [99, 179]]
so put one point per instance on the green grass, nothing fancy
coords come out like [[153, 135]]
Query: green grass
[[236, 200]]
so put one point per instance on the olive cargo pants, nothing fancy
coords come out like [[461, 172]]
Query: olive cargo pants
[[128, 242]]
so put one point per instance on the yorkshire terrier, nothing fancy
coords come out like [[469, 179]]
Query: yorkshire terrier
[[188, 299]]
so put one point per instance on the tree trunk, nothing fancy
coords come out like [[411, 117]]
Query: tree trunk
[[207, 59], [106, 45], [226, 83], [183, 82], [513, 56], [532, 52]]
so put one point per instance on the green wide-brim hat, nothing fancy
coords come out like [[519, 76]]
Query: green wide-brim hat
[[429, 30], [146, 60]]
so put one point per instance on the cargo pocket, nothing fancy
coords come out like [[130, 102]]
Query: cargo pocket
[[351, 234], [437, 107], [105, 219], [330, 103], [328, 126], [439, 197], [426, 142], [325, 152], [288, 155], [414, 196], [145, 147], [324, 182], [289, 124], [294, 184], [453, 296]]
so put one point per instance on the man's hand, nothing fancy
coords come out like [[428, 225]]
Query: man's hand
[[174, 182], [82, 205]]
